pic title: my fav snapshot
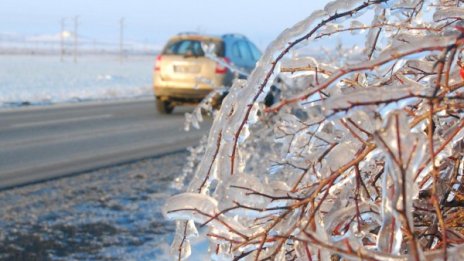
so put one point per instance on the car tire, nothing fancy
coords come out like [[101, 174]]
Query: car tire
[[164, 106], [216, 101]]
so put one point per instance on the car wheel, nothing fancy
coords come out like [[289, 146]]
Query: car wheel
[[163, 106], [217, 100]]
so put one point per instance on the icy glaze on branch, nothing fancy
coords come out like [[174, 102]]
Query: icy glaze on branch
[[361, 154]]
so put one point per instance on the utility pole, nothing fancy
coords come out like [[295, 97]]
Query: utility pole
[[76, 27], [121, 40], [62, 40]]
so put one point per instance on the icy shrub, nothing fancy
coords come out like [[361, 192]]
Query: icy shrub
[[361, 157]]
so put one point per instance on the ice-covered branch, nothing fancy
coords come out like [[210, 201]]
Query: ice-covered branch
[[360, 156]]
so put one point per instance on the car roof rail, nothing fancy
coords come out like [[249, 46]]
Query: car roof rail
[[188, 33], [234, 35], [196, 34]]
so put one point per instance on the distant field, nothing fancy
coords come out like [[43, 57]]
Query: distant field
[[39, 79]]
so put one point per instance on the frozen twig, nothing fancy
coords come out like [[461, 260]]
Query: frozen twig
[[360, 155]]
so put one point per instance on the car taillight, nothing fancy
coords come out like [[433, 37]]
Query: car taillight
[[221, 69], [157, 63]]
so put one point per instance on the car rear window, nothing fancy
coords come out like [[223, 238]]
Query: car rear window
[[192, 47]]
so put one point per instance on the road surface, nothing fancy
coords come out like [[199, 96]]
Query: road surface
[[41, 143]]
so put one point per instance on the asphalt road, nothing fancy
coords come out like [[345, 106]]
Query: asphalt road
[[41, 143]]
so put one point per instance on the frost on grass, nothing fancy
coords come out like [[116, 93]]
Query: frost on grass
[[360, 157]]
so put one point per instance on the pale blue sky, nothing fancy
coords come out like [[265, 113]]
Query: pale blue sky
[[154, 21]]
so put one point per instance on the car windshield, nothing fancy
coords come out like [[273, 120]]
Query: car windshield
[[192, 48]]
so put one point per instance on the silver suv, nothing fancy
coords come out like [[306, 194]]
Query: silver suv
[[184, 75]]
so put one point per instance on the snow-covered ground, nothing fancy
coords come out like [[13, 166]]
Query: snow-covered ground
[[112, 214], [37, 79]]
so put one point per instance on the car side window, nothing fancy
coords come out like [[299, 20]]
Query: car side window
[[255, 51], [245, 51], [236, 51]]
